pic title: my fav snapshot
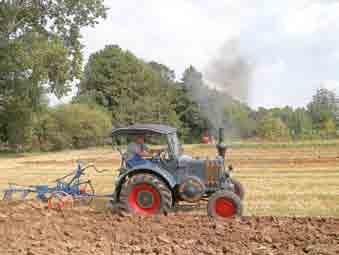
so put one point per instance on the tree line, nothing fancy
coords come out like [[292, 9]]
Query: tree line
[[40, 54], [135, 91]]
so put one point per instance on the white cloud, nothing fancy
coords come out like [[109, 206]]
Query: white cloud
[[265, 85], [271, 71], [332, 85]]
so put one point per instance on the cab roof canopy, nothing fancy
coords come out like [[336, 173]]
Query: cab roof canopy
[[139, 129]]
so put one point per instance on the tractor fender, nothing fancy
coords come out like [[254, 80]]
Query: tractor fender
[[144, 168]]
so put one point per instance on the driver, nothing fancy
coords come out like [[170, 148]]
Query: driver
[[138, 151]]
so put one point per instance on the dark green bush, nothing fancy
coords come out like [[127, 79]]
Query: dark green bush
[[72, 126]]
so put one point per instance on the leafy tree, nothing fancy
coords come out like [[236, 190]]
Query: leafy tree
[[15, 115], [302, 123], [239, 119], [323, 107], [194, 85], [40, 52], [128, 87], [191, 117], [209, 101], [186, 109], [328, 129], [40, 40], [166, 74], [298, 121], [72, 126], [272, 128]]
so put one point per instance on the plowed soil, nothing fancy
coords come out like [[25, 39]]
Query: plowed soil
[[29, 228]]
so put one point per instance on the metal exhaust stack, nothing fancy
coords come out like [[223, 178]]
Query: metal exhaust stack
[[221, 146]]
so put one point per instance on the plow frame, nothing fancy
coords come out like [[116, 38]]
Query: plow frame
[[75, 187]]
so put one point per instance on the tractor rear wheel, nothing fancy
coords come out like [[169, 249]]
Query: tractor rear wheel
[[224, 204], [238, 188], [145, 194]]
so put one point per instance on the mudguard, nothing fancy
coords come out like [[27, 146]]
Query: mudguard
[[144, 168]]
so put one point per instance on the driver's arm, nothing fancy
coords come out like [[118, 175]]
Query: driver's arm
[[144, 151]]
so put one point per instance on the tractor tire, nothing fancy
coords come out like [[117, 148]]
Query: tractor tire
[[224, 204], [145, 194], [238, 188]]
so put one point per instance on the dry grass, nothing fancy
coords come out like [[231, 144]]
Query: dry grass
[[301, 181]]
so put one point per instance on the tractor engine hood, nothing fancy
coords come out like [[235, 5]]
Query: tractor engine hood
[[209, 171]]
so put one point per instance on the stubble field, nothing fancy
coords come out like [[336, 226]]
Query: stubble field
[[279, 180]]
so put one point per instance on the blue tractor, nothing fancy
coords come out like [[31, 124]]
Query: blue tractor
[[157, 184]]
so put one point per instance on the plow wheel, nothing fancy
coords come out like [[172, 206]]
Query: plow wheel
[[145, 194], [238, 188], [224, 204], [86, 193], [60, 201]]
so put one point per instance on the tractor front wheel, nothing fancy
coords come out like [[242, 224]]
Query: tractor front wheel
[[224, 204], [145, 194]]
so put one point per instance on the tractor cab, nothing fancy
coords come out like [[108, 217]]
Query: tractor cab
[[160, 140]]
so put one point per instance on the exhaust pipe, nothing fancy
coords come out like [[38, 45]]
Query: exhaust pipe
[[221, 146]]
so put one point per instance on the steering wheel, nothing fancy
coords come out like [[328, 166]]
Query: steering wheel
[[161, 156], [164, 155]]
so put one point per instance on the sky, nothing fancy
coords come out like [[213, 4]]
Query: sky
[[292, 45]]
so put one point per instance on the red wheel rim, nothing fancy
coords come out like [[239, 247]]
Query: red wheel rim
[[224, 208], [152, 193], [83, 189]]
